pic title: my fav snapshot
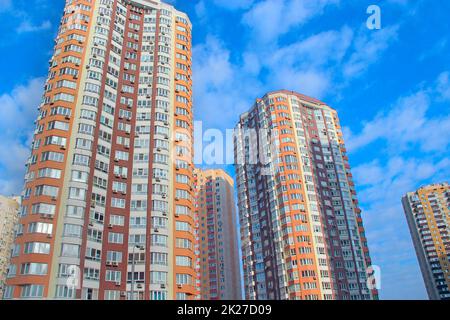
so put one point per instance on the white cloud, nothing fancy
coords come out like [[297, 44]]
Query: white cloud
[[270, 19], [310, 65], [5, 5], [368, 48], [443, 85], [418, 147], [18, 113], [407, 124], [234, 4], [26, 26], [222, 91]]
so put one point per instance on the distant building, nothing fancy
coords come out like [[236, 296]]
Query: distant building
[[428, 214], [218, 240], [9, 216]]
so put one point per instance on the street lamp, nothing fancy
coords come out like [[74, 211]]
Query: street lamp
[[133, 263]]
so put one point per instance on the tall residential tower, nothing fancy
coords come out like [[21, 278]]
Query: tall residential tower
[[218, 243], [428, 214], [302, 235], [110, 174]]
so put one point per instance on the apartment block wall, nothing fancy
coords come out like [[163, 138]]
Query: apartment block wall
[[219, 271], [427, 212], [302, 235], [110, 174], [9, 216]]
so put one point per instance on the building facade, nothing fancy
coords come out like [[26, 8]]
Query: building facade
[[219, 273], [428, 214], [302, 235], [9, 216], [110, 174]]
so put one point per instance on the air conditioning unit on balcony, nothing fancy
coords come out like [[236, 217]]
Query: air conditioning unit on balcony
[[118, 283]]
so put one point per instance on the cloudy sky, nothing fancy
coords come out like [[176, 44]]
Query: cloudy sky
[[391, 88]]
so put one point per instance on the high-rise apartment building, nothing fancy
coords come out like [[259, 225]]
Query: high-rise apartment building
[[9, 216], [302, 235], [428, 214], [219, 271], [110, 174]]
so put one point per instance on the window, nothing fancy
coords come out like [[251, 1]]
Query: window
[[58, 125], [45, 190], [112, 295], [183, 226], [116, 220], [8, 292], [40, 227], [37, 247], [72, 230], [183, 243], [115, 238], [77, 193], [64, 292], [118, 203], [81, 160], [159, 258], [70, 250], [34, 269], [158, 295], [159, 240], [32, 291], [183, 261], [158, 277], [113, 276], [43, 208], [114, 256], [184, 279], [75, 212], [52, 156], [79, 176], [49, 173]]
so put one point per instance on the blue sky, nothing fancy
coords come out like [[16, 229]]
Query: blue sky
[[391, 88]]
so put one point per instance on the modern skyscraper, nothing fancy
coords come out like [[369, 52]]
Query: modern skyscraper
[[110, 174], [9, 216], [302, 235], [428, 211], [218, 243]]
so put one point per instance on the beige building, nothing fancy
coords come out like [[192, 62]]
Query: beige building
[[219, 271], [8, 219], [427, 212]]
